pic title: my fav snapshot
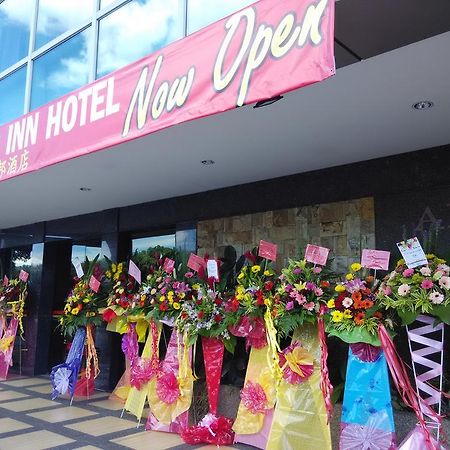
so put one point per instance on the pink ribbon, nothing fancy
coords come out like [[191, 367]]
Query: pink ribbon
[[254, 398], [325, 383], [6, 357], [403, 385], [430, 347]]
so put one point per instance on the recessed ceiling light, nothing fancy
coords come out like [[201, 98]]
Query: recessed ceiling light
[[269, 101], [85, 189], [208, 162], [424, 104]]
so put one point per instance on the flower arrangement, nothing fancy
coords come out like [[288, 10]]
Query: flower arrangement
[[300, 295], [123, 296], [83, 304], [13, 294], [422, 290], [354, 312]]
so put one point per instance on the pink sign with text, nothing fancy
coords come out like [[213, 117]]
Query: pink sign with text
[[169, 265], [24, 276], [268, 250], [316, 254], [134, 271], [375, 259], [195, 262], [94, 284]]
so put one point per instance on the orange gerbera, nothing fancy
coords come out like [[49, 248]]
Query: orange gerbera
[[356, 296], [358, 304], [359, 318], [366, 304], [378, 315], [370, 279]]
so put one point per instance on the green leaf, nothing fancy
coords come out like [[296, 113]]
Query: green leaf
[[407, 316], [357, 334], [442, 312], [230, 344]]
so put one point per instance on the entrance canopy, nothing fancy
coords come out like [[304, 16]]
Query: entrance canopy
[[362, 113]]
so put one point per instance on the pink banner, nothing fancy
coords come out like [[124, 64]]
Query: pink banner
[[260, 52]]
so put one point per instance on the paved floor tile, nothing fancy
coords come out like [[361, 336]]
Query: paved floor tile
[[28, 404], [87, 447], [103, 425], [11, 395], [36, 440], [62, 414], [24, 382], [150, 439], [7, 425], [44, 389], [112, 405]]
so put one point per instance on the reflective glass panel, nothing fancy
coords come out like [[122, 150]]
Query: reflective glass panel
[[106, 3], [15, 19], [137, 29], [61, 70], [203, 12], [12, 92], [56, 17], [145, 243], [20, 260]]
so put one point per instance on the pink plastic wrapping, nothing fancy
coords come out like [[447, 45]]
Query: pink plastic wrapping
[[211, 430], [9, 336], [416, 440], [259, 439], [252, 328], [213, 350]]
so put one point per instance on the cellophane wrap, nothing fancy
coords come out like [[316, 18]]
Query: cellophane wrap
[[170, 393], [136, 398], [7, 346], [416, 440], [300, 416], [367, 419], [253, 422], [213, 350]]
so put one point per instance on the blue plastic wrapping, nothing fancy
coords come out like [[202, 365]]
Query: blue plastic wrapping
[[367, 420]]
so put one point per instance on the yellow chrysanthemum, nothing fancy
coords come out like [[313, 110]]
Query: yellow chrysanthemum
[[267, 273], [337, 316], [108, 274], [182, 295], [90, 314], [349, 276], [355, 267], [241, 275], [400, 262], [330, 303], [75, 311], [162, 298], [196, 287], [176, 305], [347, 314], [339, 288], [113, 267], [256, 268]]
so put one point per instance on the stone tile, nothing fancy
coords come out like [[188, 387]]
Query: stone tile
[[7, 425], [150, 439], [103, 425], [87, 447], [11, 395], [62, 414], [24, 382], [28, 404], [36, 440], [45, 389], [112, 405], [214, 447]]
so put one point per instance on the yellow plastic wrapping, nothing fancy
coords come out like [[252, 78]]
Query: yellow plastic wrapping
[[123, 387], [136, 398], [258, 371], [118, 325], [300, 418]]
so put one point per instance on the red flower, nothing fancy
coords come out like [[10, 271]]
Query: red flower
[[163, 306], [184, 315], [218, 302], [198, 302], [218, 318], [324, 284], [268, 286], [200, 315], [109, 315]]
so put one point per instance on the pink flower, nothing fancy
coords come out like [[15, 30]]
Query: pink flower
[[309, 306], [289, 306], [318, 291], [444, 282], [347, 302], [436, 298], [403, 290], [317, 269], [426, 284], [387, 290], [189, 274], [425, 271], [408, 273], [300, 298]]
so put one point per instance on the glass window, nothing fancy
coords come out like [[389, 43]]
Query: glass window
[[20, 260], [12, 92], [142, 244], [137, 29], [105, 3], [61, 70], [203, 12], [15, 19], [56, 17]]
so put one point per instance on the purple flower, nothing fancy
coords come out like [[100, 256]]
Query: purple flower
[[408, 273], [355, 285], [310, 286], [297, 271], [317, 270], [387, 290], [289, 306], [288, 288]]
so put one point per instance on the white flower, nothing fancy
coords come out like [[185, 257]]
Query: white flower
[[436, 298], [444, 268], [444, 282], [347, 302], [392, 275], [403, 290], [425, 271]]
